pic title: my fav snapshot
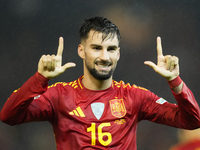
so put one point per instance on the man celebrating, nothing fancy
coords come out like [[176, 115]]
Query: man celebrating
[[94, 111]]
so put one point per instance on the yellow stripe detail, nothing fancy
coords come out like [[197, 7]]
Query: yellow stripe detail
[[76, 113], [71, 113], [16, 90], [112, 83], [80, 83], [80, 112]]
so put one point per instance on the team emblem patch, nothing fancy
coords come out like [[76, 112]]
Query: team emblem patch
[[117, 108]]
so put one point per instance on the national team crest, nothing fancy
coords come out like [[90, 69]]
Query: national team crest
[[117, 108]]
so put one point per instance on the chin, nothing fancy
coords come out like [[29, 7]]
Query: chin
[[101, 75]]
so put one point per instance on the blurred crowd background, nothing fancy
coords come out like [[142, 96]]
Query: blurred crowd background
[[31, 28]]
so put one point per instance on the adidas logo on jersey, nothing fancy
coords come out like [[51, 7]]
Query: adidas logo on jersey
[[78, 112]]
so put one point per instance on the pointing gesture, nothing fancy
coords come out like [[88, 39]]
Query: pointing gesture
[[50, 66], [167, 66]]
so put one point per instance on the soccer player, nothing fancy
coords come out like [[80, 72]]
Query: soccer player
[[95, 111]]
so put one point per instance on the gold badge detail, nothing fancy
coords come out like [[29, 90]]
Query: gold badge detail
[[117, 108]]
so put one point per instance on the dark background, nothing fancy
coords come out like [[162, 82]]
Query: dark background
[[31, 28]]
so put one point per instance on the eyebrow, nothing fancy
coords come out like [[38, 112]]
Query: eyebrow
[[111, 46]]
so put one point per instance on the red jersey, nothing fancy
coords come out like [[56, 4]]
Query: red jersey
[[192, 145], [87, 119]]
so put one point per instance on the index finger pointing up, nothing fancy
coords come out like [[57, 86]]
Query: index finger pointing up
[[159, 47], [60, 46]]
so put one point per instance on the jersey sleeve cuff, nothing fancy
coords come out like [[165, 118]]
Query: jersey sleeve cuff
[[43, 80], [175, 82]]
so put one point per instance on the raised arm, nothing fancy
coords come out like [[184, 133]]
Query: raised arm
[[21, 106], [167, 66], [184, 115]]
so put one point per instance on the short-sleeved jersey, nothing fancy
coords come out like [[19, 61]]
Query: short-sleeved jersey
[[87, 119]]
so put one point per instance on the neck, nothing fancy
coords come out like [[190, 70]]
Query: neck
[[93, 84]]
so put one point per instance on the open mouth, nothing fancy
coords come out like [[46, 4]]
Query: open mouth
[[103, 65]]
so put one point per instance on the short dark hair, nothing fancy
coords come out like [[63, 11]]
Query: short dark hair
[[99, 24]]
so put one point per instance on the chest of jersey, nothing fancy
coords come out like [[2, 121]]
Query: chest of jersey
[[96, 119]]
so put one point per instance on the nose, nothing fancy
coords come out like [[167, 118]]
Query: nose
[[104, 55]]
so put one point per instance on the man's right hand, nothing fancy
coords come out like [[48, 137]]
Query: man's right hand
[[50, 66]]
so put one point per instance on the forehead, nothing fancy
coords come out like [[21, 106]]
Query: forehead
[[95, 37]]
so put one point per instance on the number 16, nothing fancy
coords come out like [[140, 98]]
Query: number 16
[[92, 129]]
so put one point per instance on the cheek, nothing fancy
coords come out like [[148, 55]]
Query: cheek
[[114, 58], [89, 56], [89, 61]]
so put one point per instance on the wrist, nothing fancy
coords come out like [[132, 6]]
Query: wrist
[[41, 78], [175, 82]]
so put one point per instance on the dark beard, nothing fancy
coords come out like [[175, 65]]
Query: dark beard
[[100, 76]]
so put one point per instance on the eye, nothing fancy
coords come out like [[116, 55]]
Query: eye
[[112, 49], [96, 48]]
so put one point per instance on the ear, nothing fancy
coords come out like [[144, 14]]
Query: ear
[[118, 54], [81, 52]]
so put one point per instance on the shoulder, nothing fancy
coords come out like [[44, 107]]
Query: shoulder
[[64, 85], [133, 91], [127, 86]]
